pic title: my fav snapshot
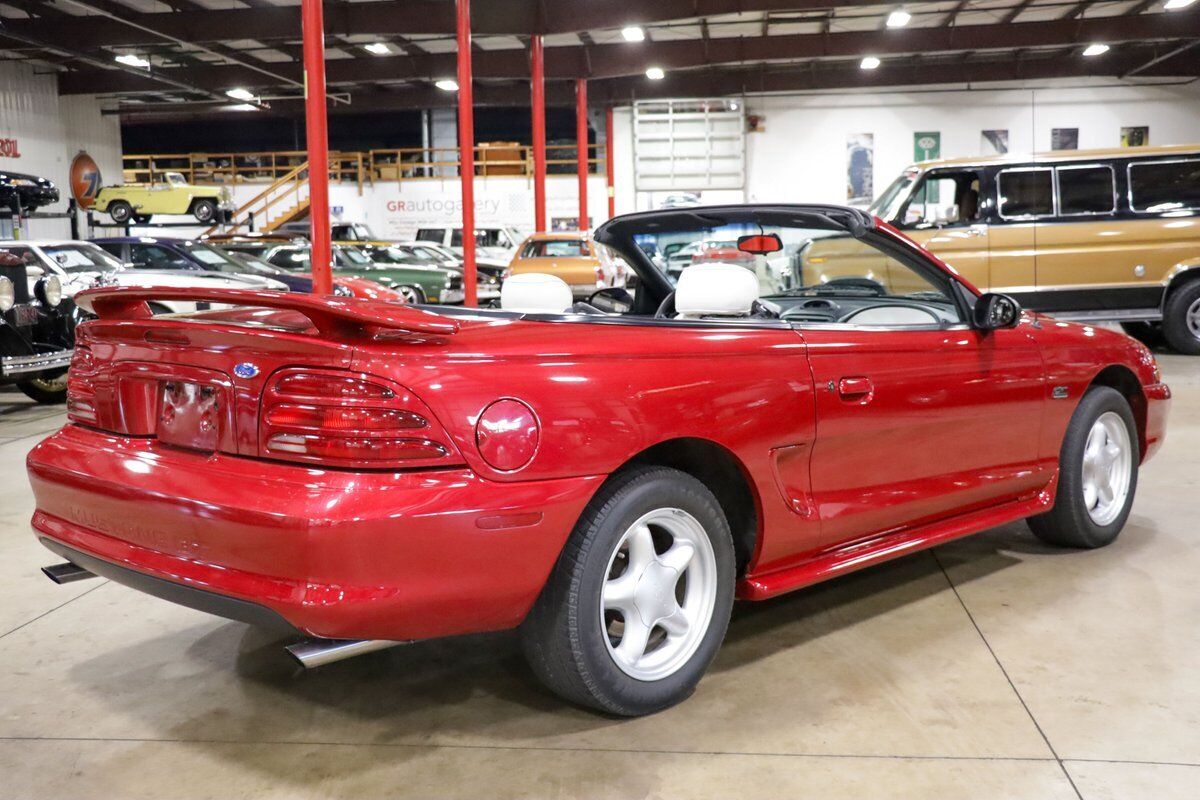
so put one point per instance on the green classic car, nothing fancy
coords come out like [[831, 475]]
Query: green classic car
[[419, 283]]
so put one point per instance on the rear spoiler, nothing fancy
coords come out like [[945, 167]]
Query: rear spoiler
[[331, 316]]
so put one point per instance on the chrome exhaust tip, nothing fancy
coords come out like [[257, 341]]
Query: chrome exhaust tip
[[66, 572], [313, 653]]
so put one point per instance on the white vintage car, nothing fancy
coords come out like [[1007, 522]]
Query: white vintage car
[[82, 265]]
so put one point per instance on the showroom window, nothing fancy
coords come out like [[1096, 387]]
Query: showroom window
[[1026, 193], [1086, 190], [1156, 186]]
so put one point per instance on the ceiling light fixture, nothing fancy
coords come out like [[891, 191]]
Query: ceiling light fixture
[[240, 94], [131, 60], [633, 33], [655, 74], [1176, 5], [898, 18], [870, 62], [447, 85], [1095, 50], [378, 48]]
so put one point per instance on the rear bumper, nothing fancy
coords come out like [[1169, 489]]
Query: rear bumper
[[39, 362], [335, 554]]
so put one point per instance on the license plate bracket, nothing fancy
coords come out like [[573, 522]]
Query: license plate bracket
[[189, 415]]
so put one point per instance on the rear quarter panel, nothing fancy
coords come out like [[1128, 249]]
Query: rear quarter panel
[[605, 392]]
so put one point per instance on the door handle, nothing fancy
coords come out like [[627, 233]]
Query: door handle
[[855, 388]]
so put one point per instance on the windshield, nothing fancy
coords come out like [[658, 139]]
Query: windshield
[[81, 258], [211, 258], [800, 262], [293, 259], [350, 256], [886, 206]]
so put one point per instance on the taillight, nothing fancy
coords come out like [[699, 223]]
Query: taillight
[[349, 420], [81, 389]]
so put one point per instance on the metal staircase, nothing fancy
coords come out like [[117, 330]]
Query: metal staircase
[[283, 201]]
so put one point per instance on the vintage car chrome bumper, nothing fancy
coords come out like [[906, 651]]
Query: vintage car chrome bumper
[[40, 362], [450, 296]]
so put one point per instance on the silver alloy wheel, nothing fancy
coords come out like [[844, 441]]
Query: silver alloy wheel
[[1193, 318], [411, 294], [659, 593], [1107, 468]]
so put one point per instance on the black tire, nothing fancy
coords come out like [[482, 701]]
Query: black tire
[[49, 388], [1148, 333], [141, 219], [120, 211], [1179, 335], [412, 294], [1069, 523], [563, 638], [204, 210]]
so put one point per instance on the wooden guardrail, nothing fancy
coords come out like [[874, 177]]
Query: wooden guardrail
[[395, 164]]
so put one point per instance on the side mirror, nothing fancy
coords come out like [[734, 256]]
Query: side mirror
[[994, 311]]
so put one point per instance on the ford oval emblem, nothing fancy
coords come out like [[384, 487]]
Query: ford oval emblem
[[245, 370]]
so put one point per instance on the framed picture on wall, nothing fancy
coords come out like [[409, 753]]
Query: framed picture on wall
[[994, 142], [1064, 138], [1137, 136], [860, 168]]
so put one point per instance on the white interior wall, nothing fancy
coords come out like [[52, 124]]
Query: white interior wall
[[801, 154], [51, 130]]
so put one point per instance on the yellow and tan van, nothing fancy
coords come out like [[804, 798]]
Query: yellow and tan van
[[1093, 235]]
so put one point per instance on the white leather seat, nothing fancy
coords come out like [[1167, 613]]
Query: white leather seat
[[536, 293], [715, 290]]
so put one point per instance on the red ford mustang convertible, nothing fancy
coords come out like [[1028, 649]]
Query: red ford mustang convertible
[[814, 395]]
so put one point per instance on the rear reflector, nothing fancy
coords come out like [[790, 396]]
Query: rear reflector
[[343, 418], [321, 385], [358, 449]]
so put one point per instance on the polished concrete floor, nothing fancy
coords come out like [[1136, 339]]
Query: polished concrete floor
[[990, 668]]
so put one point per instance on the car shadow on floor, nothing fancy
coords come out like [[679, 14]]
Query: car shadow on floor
[[473, 689]]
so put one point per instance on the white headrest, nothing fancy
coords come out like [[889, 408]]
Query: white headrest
[[716, 290], [536, 293]]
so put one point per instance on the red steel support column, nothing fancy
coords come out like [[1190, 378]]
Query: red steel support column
[[466, 151], [537, 68], [581, 149], [608, 162], [312, 24]]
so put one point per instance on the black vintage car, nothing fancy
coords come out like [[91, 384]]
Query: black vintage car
[[37, 333], [25, 193]]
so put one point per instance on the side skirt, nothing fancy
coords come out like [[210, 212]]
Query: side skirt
[[886, 546]]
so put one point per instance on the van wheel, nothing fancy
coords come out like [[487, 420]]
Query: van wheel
[[639, 600], [120, 211], [204, 210], [1148, 333], [1098, 469], [1181, 319]]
